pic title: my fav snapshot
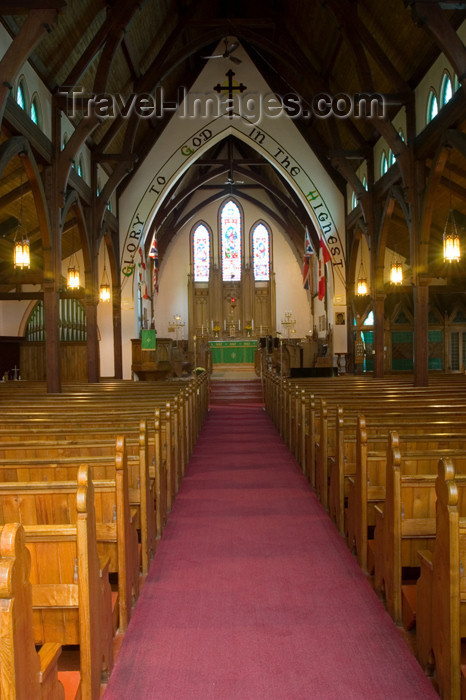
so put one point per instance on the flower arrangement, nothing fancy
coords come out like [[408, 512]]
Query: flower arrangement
[[248, 328], [216, 329]]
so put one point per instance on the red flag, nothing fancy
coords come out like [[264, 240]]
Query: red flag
[[325, 250], [306, 259], [324, 257]]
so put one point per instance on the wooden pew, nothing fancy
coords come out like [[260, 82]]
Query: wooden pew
[[366, 488], [43, 502], [71, 593], [441, 587], [24, 673], [405, 522]]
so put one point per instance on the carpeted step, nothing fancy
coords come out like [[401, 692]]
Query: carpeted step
[[238, 391]]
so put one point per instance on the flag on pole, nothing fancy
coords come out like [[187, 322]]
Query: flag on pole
[[142, 277], [306, 259], [324, 257], [154, 254]]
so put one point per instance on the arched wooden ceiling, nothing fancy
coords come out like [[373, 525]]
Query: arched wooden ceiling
[[330, 46]]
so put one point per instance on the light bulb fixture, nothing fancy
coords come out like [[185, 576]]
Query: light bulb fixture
[[361, 285], [72, 279], [451, 240], [396, 271], [21, 253], [104, 293], [22, 256]]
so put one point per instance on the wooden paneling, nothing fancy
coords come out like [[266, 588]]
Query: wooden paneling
[[73, 361]]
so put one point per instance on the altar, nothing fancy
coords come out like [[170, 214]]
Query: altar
[[235, 351]]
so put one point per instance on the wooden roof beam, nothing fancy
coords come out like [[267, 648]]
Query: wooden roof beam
[[355, 26], [431, 17]]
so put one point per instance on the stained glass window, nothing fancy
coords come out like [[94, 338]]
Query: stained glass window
[[383, 164], [446, 91], [432, 106], [230, 225], [261, 252], [21, 96], [35, 111], [201, 253]]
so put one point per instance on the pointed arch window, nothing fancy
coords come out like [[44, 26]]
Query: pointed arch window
[[230, 231], [35, 111], [383, 163], [261, 252], [446, 90], [21, 95], [201, 253], [432, 105]]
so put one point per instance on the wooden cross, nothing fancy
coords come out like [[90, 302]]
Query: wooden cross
[[230, 88]]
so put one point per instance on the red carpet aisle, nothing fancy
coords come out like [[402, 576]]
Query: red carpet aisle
[[252, 594]]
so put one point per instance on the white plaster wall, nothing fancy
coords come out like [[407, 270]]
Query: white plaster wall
[[11, 316]]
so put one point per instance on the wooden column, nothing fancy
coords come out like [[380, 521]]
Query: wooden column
[[52, 265], [379, 334], [421, 335], [93, 358], [117, 344], [52, 337]]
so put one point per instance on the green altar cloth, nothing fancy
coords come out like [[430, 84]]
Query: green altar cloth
[[232, 351]]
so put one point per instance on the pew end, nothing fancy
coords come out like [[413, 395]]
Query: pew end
[[24, 673]]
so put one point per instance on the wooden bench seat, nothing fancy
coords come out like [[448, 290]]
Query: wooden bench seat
[[406, 521], [71, 593], [441, 589], [50, 460], [48, 502]]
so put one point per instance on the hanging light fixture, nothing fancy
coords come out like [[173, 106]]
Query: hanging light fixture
[[361, 285], [21, 254], [72, 278], [104, 294], [451, 240], [396, 271]]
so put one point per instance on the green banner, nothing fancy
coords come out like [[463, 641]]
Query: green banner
[[148, 339]]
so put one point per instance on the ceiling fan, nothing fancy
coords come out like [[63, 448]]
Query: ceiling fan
[[231, 180], [228, 52]]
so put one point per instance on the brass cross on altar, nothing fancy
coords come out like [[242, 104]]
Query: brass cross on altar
[[230, 88]]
